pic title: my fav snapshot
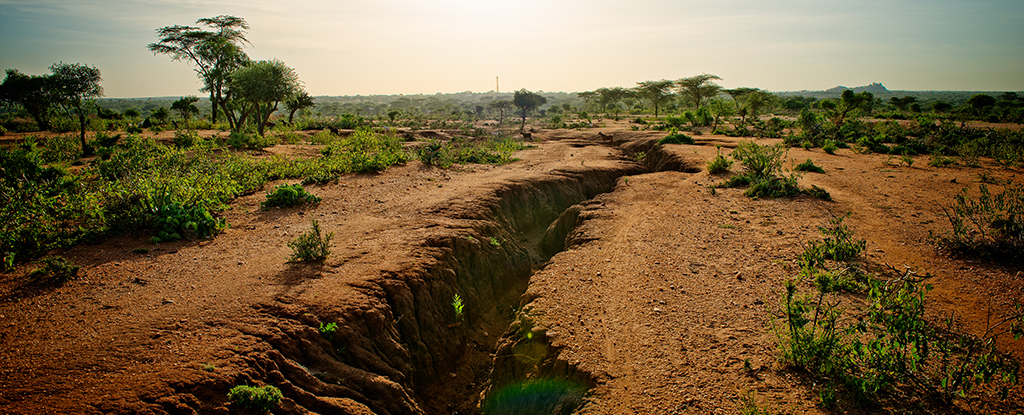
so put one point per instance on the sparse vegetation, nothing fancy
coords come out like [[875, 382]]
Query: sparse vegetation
[[55, 269], [260, 399], [720, 164], [287, 195], [312, 245], [676, 137], [458, 306], [884, 344], [447, 154], [809, 166], [990, 226]]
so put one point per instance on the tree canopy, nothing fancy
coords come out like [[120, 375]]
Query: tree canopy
[[699, 89], [72, 85], [215, 53], [657, 92], [298, 101], [260, 87], [527, 101], [31, 92]]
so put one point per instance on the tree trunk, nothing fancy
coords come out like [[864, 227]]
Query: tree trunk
[[86, 149], [523, 126]]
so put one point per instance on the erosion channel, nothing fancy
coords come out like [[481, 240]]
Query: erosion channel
[[410, 352]]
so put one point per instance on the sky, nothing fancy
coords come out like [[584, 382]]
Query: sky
[[369, 47]]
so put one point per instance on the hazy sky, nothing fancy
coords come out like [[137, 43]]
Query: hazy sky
[[348, 47]]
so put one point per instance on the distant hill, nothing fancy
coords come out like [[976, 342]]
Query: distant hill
[[874, 88]]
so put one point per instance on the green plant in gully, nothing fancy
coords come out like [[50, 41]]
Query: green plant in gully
[[327, 330], [457, 305], [313, 245], [287, 195], [259, 399]]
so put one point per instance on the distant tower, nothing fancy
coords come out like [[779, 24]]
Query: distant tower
[[496, 89]]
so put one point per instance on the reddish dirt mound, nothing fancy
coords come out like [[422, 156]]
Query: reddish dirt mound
[[656, 304]]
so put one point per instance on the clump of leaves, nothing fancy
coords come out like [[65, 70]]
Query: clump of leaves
[[172, 221], [287, 195], [760, 161], [458, 306], [327, 330], [261, 399], [937, 160], [312, 245], [720, 164], [676, 137], [991, 225], [55, 268], [809, 166], [830, 147], [773, 188]]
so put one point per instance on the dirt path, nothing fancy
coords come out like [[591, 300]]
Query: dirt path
[[659, 304]]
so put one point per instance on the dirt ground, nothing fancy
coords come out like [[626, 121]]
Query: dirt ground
[[662, 298]]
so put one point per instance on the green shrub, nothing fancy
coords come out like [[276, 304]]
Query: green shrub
[[173, 222], [250, 141], [818, 193], [676, 137], [363, 151], [261, 399], [720, 164], [55, 268], [809, 166], [104, 140], [186, 138], [312, 245], [61, 149], [773, 188], [886, 344], [320, 177], [830, 147], [990, 226], [937, 160], [760, 161], [288, 195]]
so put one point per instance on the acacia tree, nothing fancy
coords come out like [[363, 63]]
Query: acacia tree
[[298, 101], [587, 97], [72, 85], [215, 54], [186, 107], [658, 92], [31, 92], [260, 87], [501, 106], [527, 101], [847, 106], [699, 89], [612, 97]]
